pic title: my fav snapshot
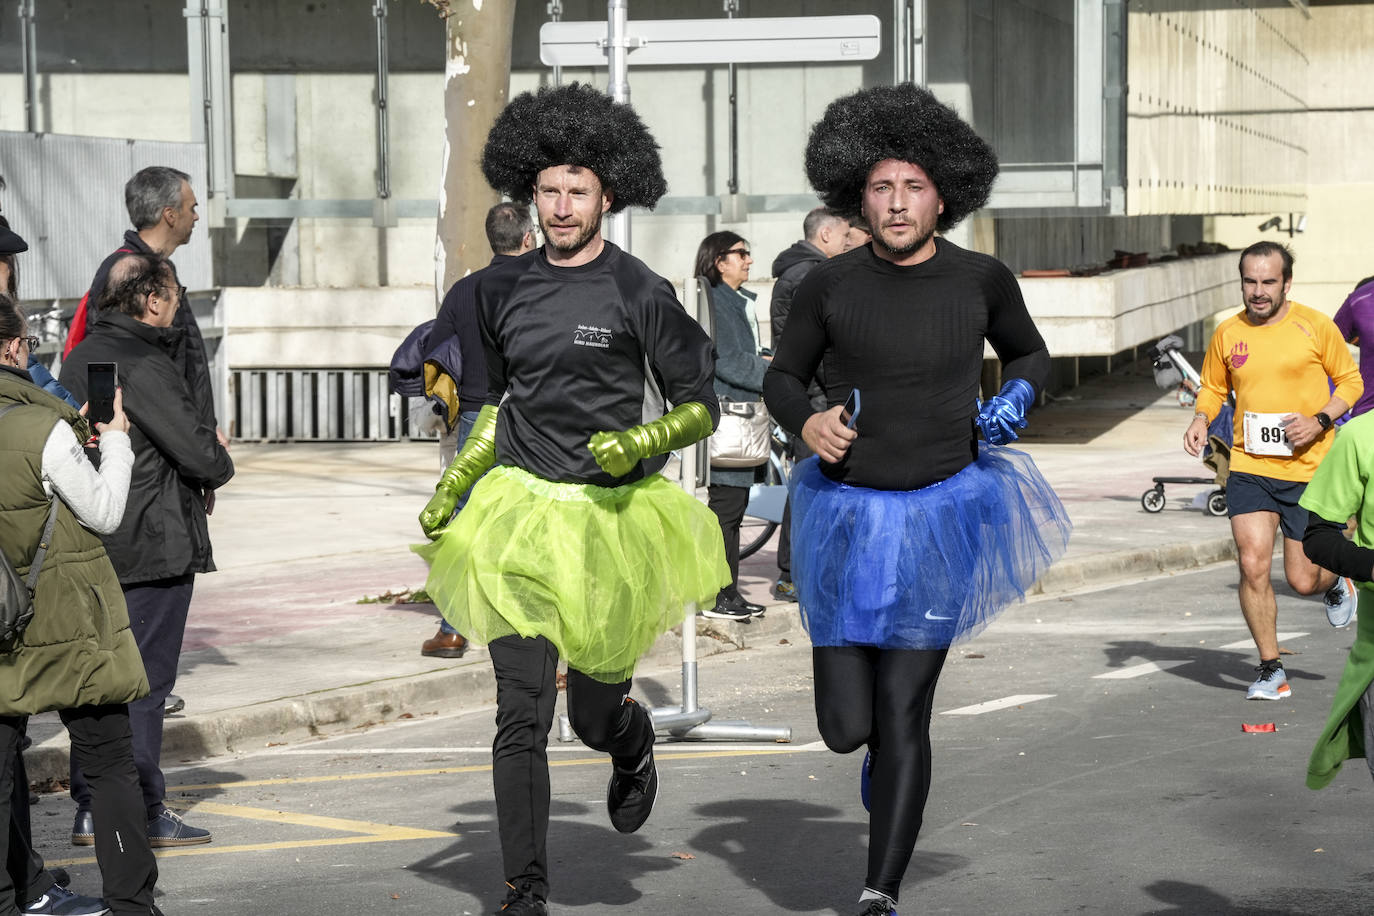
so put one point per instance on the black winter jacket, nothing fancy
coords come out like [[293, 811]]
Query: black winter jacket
[[788, 269], [176, 455]]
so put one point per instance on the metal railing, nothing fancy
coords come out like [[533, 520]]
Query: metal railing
[[297, 405]]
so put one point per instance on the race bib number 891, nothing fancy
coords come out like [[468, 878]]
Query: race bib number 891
[[1264, 435]]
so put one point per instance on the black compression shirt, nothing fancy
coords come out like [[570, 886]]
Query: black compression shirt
[[575, 350], [911, 340]]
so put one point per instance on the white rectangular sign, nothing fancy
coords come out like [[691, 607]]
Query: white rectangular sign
[[670, 42]]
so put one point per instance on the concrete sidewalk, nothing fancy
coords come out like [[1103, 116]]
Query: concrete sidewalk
[[279, 647]]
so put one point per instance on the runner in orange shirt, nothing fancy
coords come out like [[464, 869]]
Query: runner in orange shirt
[[1281, 358]]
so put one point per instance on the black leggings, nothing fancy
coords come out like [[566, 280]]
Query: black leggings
[[882, 698]]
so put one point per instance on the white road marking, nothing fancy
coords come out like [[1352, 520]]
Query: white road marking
[[666, 748], [978, 709], [1140, 670], [1250, 643]]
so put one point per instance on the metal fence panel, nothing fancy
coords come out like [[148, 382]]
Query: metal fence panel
[[65, 196]]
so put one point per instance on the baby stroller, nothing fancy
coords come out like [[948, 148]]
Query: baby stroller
[[1173, 371]]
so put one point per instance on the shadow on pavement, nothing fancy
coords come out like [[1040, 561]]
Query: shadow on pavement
[[589, 865], [1193, 899], [1206, 666], [801, 856]]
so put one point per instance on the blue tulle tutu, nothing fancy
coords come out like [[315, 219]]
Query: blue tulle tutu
[[921, 569]]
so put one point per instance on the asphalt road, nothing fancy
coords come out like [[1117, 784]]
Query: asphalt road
[[1089, 758]]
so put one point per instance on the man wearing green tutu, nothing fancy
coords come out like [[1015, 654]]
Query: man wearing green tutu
[[574, 544], [907, 535]]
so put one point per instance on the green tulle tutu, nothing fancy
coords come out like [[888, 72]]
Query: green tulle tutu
[[598, 571]]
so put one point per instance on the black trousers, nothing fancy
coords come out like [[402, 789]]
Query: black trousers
[[603, 716], [27, 872], [729, 503], [157, 617], [882, 698], [102, 744]]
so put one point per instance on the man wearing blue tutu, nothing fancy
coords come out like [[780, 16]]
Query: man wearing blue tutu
[[573, 544], [907, 534]]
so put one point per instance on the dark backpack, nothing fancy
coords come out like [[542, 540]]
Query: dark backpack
[[16, 594]]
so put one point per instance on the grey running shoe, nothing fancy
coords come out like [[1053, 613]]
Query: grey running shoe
[[1340, 602], [1272, 683]]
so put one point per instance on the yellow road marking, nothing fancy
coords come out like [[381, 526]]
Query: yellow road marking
[[369, 832], [316, 820]]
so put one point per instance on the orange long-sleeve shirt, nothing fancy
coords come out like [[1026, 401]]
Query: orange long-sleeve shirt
[[1278, 368]]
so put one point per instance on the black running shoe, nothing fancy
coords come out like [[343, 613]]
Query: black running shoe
[[630, 796], [877, 908], [521, 901]]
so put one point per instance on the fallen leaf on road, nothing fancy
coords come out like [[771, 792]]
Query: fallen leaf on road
[[688, 855]]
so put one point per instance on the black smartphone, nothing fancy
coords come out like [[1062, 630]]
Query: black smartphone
[[849, 413], [101, 381]]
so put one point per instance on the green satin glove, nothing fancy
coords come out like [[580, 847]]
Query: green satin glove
[[619, 452], [478, 454]]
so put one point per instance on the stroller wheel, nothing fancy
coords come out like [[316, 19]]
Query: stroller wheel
[[1152, 500], [1216, 502]]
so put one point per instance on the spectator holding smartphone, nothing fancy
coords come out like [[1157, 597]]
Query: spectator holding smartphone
[[177, 460]]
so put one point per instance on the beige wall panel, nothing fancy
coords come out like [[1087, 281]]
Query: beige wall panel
[[1216, 87]]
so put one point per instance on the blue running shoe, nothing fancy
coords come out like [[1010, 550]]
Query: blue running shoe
[[58, 901], [865, 777], [1340, 603]]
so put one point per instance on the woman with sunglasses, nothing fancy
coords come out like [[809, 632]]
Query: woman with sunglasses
[[723, 258]]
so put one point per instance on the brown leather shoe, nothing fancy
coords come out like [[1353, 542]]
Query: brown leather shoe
[[445, 645]]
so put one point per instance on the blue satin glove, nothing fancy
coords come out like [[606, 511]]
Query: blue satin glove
[[1000, 416]]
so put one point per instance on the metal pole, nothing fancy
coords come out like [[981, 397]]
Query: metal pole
[[556, 15], [617, 60], [382, 214], [28, 37], [383, 133], [732, 7]]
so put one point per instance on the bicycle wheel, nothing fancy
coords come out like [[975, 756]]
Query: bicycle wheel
[[755, 532]]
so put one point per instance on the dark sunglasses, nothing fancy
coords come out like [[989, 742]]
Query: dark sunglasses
[[742, 252]]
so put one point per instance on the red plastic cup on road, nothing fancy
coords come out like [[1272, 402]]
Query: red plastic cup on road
[[1256, 729]]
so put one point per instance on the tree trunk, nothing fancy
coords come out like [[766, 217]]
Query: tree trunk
[[476, 88]]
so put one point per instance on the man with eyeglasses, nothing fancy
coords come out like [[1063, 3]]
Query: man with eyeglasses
[[162, 208], [177, 460]]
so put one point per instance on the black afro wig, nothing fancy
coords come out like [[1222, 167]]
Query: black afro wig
[[576, 124], [902, 122]]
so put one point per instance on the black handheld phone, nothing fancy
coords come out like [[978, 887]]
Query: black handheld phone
[[101, 381], [849, 413]]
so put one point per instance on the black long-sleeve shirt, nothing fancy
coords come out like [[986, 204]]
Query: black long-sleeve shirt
[[1325, 544], [576, 350], [911, 340]]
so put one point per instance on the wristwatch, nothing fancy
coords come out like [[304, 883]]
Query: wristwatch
[[1323, 421]]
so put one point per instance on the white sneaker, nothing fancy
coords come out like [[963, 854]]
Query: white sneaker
[[1340, 602], [1272, 683]]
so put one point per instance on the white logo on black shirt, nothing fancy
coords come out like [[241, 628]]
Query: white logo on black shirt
[[588, 336]]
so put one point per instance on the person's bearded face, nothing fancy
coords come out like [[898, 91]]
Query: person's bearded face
[[570, 202], [902, 207]]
